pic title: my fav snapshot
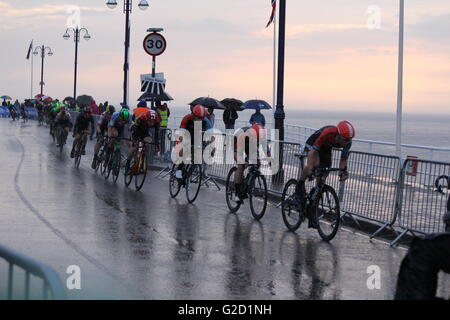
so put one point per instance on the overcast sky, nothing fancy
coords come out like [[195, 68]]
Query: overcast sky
[[221, 48]]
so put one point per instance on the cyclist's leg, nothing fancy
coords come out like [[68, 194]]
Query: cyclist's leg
[[84, 141], [132, 146], [75, 142], [99, 142]]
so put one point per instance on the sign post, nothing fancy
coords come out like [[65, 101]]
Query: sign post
[[154, 44]]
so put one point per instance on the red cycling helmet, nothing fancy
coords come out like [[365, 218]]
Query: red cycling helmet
[[346, 130], [259, 130], [199, 111], [151, 115]]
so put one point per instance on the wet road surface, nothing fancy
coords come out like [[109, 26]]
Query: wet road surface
[[145, 245]]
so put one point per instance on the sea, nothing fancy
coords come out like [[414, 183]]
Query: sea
[[417, 129]]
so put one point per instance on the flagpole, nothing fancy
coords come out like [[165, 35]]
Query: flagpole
[[400, 80], [274, 90], [31, 90]]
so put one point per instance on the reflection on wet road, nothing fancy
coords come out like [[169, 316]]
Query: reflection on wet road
[[146, 245]]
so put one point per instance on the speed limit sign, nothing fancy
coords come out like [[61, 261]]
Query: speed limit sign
[[155, 44]]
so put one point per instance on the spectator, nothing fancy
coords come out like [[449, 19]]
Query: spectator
[[101, 109], [229, 117], [94, 108], [164, 114], [258, 117], [4, 104], [211, 116]]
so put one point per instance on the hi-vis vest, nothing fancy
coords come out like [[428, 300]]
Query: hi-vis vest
[[164, 114]]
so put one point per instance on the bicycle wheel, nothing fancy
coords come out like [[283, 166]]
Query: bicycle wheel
[[230, 192], [128, 173], [78, 154], [116, 166], [291, 217], [106, 165], [139, 179], [100, 156], [258, 196], [326, 213], [174, 183], [193, 182]]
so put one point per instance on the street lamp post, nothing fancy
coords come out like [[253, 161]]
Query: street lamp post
[[279, 112], [76, 33], [43, 50], [127, 8]]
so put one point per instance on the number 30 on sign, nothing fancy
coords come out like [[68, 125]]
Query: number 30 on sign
[[155, 44]]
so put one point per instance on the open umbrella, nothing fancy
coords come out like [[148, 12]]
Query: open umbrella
[[208, 103], [236, 104], [163, 96], [84, 100], [6, 98], [256, 104], [68, 100]]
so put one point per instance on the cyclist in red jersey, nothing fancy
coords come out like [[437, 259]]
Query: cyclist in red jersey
[[140, 130], [319, 147], [198, 114]]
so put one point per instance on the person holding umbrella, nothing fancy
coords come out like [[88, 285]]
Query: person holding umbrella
[[230, 114], [257, 117], [211, 116]]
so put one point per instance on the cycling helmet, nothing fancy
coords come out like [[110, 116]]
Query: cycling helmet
[[199, 111], [346, 130], [259, 130], [151, 115], [110, 109], [142, 104], [124, 114]]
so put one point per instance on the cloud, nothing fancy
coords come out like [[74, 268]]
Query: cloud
[[432, 27]]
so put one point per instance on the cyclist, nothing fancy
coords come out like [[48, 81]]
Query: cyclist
[[51, 117], [102, 130], [12, 111], [319, 147], [198, 114], [40, 111], [64, 120], [117, 124], [140, 130], [82, 124], [242, 144]]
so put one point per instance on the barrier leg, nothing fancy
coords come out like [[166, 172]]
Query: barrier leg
[[394, 242], [384, 226]]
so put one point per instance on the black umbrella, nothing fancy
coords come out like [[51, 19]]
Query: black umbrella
[[163, 96], [232, 103], [68, 100], [208, 103], [256, 104], [84, 100]]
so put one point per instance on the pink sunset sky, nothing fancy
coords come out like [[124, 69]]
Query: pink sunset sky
[[221, 48]]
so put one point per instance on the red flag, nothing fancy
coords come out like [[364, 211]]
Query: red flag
[[272, 15]]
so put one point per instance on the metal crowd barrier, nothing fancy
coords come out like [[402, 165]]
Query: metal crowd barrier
[[51, 281], [372, 188], [420, 207], [379, 188]]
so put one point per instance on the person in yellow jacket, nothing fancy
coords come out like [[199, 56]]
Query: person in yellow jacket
[[164, 114]]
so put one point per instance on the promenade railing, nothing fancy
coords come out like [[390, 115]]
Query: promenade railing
[[49, 279]]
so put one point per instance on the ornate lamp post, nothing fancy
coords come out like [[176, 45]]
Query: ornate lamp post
[[49, 52], [77, 32], [127, 8]]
